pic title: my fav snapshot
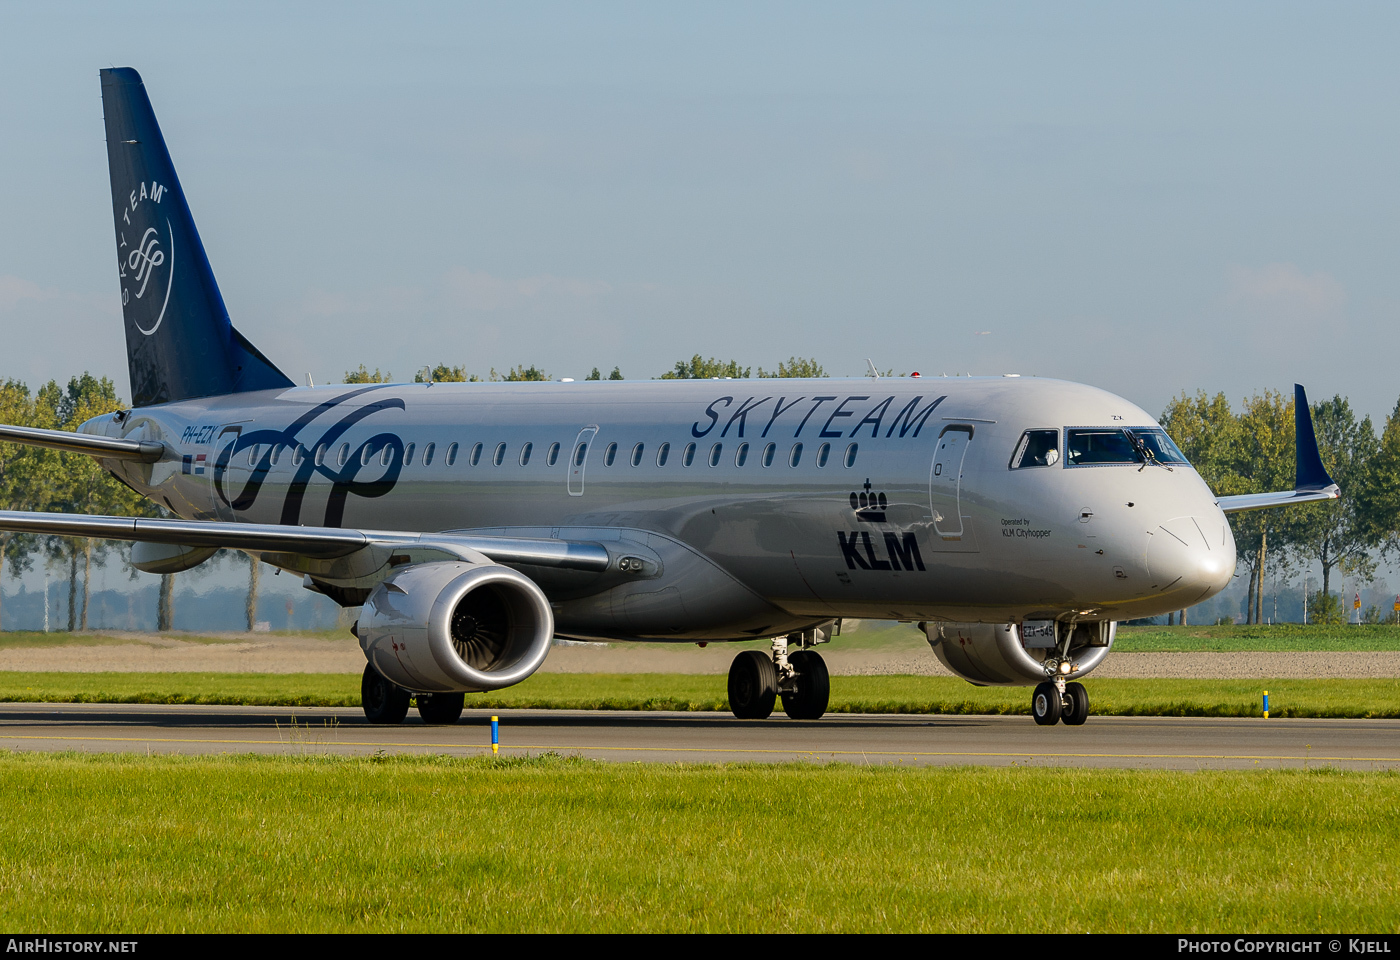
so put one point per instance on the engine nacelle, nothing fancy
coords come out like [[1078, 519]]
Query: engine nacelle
[[456, 627], [997, 655], [168, 557]]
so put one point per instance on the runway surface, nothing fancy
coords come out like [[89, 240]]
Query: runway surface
[[1187, 743]]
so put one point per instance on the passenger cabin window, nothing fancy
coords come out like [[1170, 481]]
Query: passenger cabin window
[[553, 456], [386, 456], [365, 453], [715, 452], [320, 454], [253, 455], [688, 455], [473, 458], [1155, 443], [276, 453], [795, 457], [1038, 448], [609, 455], [580, 452], [1103, 446], [768, 453], [741, 456], [298, 455], [637, 454], [428, 454], [343, 455], [408, 454], [525, 454], [823, 453], [500, 454], [851, 452], [662, 453], [452, 453]]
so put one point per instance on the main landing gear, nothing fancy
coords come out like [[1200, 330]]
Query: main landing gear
[[1055, 701], [387, 702], [757, 680]]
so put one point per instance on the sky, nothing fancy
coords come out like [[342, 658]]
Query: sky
[[1151, 198]]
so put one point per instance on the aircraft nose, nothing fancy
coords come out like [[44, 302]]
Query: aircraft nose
[[1190, 558]]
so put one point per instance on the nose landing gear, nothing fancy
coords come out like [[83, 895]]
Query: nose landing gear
[[757, 681], [1055, 701]]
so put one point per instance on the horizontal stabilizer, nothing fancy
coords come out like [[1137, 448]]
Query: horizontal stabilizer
[[110, 448], [316, 542], [1311, 480]]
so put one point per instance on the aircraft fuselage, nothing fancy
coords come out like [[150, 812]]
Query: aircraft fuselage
[[893, 498]]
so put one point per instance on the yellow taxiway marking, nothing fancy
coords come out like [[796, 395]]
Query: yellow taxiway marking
[[805, 753]]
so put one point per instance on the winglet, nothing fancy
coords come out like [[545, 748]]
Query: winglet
[[1311, 474]]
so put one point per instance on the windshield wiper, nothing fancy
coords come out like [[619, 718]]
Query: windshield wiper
[[1148, 456]]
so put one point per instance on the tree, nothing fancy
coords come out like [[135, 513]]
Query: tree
[[80, 485], [796, 367], [698, 368], [364, 376], [1341, 533], [531, 372], [616, 374], [1263, 459], [1380, 493], [442, 373], [24, 475]]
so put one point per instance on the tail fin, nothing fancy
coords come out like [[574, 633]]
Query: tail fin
[[179, 341]]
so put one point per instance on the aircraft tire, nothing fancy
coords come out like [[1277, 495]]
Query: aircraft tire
[[1077, 711], [441, 708], [753, 686], [1045, 704], [383, 702], [813, 687]]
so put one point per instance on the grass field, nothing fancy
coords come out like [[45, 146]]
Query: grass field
[[142, 844], [1282, 637], [661, 691]]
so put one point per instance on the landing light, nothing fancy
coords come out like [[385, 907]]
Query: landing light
[[1064, 666]]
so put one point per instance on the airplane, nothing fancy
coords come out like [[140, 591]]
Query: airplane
[[1016, 519]]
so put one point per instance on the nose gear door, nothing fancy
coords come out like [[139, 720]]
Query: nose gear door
[[945, 481]]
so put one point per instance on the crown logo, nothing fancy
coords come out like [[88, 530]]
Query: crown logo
[[869, 506]]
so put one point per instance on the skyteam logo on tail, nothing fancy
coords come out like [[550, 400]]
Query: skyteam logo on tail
[[145, 253]]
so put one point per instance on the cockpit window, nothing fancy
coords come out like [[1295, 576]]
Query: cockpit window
[[1038, 448], [1158, 445], [1104, 445]]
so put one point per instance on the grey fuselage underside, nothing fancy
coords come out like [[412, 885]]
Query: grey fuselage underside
[[992, 544]]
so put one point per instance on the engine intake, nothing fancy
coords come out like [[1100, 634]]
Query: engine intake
[[994, 654], [456, 627]]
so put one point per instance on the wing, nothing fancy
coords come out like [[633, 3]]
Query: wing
[[1311, 482], [320, 543]]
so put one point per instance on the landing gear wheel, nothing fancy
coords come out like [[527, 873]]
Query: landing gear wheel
[[383, 702], [1076, 709], [753, 685], [441, 708], [1045, 704], [813, 692]]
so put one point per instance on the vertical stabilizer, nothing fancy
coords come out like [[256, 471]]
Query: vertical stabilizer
[[179, 341]]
